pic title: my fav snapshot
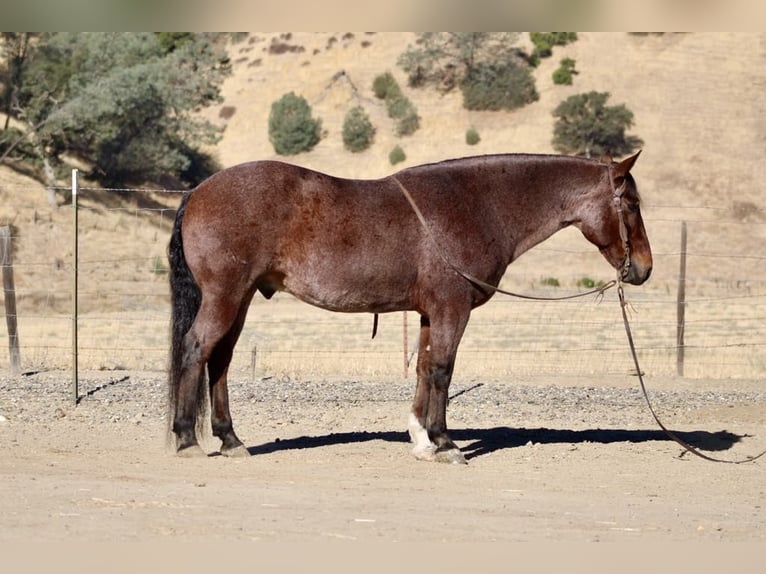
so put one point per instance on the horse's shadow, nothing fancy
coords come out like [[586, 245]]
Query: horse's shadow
[[485, 441]]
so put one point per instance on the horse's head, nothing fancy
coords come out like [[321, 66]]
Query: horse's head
[[612, 221]]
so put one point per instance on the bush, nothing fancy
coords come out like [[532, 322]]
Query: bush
[[396, 155], [504, 86], [409, 120], [472, 136], [385, 85], [544, 42], [565, 72], [398, 106], [291, 127], [358, 131]]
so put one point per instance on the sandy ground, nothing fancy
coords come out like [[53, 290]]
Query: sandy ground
[[550, 459]]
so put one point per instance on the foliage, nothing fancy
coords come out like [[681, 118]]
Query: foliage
[[125, 103], [544, 42], [550, 282], [444, 59], [358, 131], [398, 106], [501, 86], [402, 109], [13, 51], [563, 75], [291, 128], [585, 125], [588, 283], [385, 84], [396, 155], [472, 136], [491, 72]]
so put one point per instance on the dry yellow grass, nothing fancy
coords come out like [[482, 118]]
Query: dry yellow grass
[[699, 107]]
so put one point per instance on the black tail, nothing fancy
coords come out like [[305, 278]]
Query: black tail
[[185, 299]]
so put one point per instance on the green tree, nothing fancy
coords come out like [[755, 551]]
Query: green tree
[[489, 69], [358, 131], [444, 59], [291, 127], [585, 125], [14, 47], [502, 86], [122, 102]]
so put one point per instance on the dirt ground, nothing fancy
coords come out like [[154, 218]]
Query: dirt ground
[[550, 459]]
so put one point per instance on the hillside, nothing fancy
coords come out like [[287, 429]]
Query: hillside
[[697, 99]]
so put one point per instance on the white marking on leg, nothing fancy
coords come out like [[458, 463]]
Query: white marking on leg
[[424, 449]]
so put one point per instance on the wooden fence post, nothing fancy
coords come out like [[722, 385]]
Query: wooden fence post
[[681, 306], [9, 296]]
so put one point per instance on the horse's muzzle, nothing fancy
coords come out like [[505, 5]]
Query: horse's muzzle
[[637, 273]]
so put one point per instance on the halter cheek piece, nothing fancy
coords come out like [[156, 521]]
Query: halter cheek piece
[[617, 200]]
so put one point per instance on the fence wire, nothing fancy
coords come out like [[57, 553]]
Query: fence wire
[[123, 312]]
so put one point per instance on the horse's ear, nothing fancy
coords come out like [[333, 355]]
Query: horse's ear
[[622, 168]]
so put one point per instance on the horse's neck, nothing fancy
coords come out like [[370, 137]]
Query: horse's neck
[[543, 204]]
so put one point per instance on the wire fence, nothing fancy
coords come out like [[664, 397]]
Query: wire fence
[[122, 316]]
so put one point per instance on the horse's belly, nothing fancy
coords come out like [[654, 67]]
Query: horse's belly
[[369, 295]]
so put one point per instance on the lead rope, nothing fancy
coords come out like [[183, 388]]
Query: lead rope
[[483, 284], [686, 446], [600, 291]]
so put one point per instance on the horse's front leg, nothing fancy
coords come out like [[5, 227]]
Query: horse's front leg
[[428, 420]]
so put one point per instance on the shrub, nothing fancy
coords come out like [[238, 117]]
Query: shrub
[[291, 127], [504, 86], [409, 120], [565, 72], [398, 106], [589, 283], [472, 136], [551, 282], [385, 85], [544, 42], [358, 131], [396, 155]]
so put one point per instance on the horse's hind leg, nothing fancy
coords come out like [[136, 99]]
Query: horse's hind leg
[[212, 323], [436, 361], [218, 368]]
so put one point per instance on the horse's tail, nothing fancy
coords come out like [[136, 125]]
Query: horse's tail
[[185, 296]]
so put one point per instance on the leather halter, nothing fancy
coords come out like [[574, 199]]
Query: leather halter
[[617, 193]]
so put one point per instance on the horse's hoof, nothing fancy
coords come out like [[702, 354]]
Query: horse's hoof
[[193, 451], [424, 453], [450, 456], [236, 452]]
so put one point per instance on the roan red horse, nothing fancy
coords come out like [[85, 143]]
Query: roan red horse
[[359, 246]]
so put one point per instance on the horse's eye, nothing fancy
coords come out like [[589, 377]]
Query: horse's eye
[[633, 207]]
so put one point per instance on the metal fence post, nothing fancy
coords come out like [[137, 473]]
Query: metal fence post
[[75, 264]]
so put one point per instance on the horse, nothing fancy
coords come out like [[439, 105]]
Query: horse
[[435, 239]]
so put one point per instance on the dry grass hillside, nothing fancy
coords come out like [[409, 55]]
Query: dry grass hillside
[[698, 103]]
